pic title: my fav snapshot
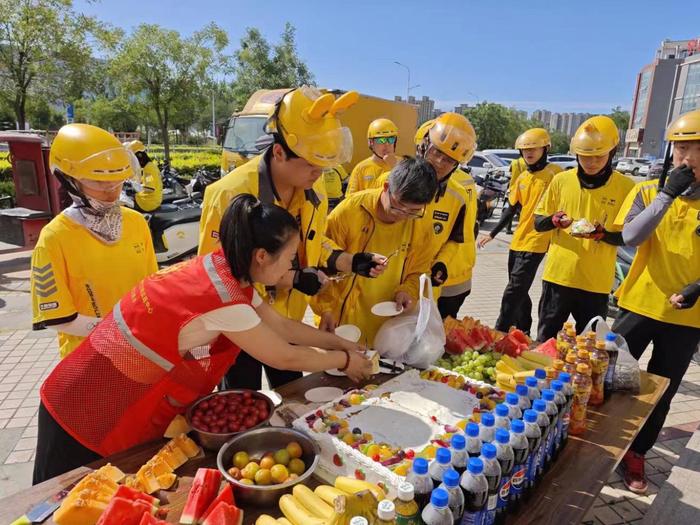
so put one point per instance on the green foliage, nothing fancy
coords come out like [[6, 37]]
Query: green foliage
[[560, 142], [497, 126], [621, 117], [259, 65], [188, 160], [116, 114]]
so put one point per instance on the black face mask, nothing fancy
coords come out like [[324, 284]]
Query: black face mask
[[598, 180], [540, 164]]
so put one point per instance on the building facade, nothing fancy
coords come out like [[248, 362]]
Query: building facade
[[426, 106]]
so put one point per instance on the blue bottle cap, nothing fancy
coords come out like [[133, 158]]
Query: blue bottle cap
[[548, 395], [443, 455], [540, 373], [488, 450], [476, 466], [530, 416], [521, 390], [511, 398], [420, 466], [450, 478], [502, 410], [458, 442], [502, 435], [564, 377], [611, 336], [487, 419], [517, 426], [557, 385], [540, 405], [531, 381], [472, 430], [439, 498]]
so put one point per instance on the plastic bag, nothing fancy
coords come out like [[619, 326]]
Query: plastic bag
[[416, 338]]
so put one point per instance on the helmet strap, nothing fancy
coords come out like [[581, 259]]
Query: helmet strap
[[668, 158], [71, 186], [598, 180], [540, 164]]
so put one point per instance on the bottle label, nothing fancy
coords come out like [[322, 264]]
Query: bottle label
[[532, 467], [565, 424], [517, 481], [503, 492], [559, 431], [473, 518], [551, 440], [413, 519]]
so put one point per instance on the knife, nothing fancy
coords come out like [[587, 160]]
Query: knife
[[40, 512]]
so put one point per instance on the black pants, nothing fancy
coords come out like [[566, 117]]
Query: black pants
[[557, 302], [449, 306], [516, 305], [674, 346], [57, 451], [247, 373]]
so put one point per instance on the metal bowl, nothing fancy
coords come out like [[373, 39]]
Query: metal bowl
[[214, 441], [258, 442]]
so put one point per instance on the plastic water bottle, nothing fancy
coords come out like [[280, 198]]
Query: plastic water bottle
[[519, 444], [441, 463], [533, 391], [513, 402], [502, 419], [552, 412], [568, 391], [386, 513], [534, 437], [475, 487], [492, 472], [450, 482], [422, 484], [487, 428], [612, 348], [407, 510], [560, 401], [540, 407], [438, 512], [473, 440], [459, 452], [523, 399], [506, 458], [541, 376]]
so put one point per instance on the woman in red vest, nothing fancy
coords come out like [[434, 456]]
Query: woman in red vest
[[170, 340]]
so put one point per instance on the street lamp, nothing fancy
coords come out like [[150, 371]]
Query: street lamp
[[409, 87]]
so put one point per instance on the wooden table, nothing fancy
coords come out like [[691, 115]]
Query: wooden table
[[563, 496]]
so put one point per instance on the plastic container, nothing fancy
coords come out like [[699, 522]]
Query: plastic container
[[407, 511], [438, 512], [513, 402], [420, 479], [541, 376], [534, 438], [552, 412], [492, 472], [581, 384], [533, 390], [441, 463], [386, 513], [540, 407], [502, 413], [569, 395], [506, 458], [519, 444], [487, 427], [459, 452], [560, 401], [570, 363], [358, 520], [450, 482], [475, 488], [558, 365], [600, 360], [583, 357], [523, 399], [473, 443]]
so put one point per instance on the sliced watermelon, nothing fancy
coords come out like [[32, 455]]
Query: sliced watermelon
[[205, 488], [226, 495], [224, 514], [474, 340], [133, 495], [122, 511], [150, 519], [520, 336], [456, 341]]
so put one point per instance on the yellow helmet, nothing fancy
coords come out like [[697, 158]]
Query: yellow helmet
[[135, 146], [382, 127], [685, 127], [453, 135], [533, 138], [82, 151], [423, 131], [308, 122], [596, 136]]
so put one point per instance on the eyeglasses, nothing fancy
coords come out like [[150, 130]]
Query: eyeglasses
[[439, 157], [384, 140], [411, 214]]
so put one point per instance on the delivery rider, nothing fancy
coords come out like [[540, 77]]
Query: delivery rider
[[95, 250], [149, 194], [580, 268], [307, 137], [380, 220], [336, 180], [382, 136], [528, 246], [659, 297]]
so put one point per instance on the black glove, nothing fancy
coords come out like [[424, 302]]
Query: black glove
[[679, 180], [362, 263], [690, 294], [438, 268], [307, 281]]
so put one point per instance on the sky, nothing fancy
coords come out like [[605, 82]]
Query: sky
[[562, 56]]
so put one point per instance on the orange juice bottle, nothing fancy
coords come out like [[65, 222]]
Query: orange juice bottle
[[599, 366], [583, 357], [570, 363], [590, 340], [581, 384], [564, 341], [558, 365]]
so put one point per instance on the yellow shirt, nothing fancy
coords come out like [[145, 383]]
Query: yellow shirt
[[466, 181], [584, 264], [666, 262], [517, 168], [353, 225], [334, 179], [527, 192], [364, 174], [73, 272]]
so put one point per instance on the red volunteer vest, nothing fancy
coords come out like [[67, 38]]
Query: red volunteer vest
[[124, 384]]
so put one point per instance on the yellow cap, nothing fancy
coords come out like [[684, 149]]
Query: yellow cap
[[596, 136], [533, 138], [382, 127], [453, 135], [685, 127]]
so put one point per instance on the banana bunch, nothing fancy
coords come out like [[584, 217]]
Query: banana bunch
[[327, 505], [511, 371]]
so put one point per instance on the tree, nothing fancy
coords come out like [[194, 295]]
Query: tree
[[116, 114], [496, 126], [621, 117], [560, 142], [258, 65], [44, 50], [169, 73]]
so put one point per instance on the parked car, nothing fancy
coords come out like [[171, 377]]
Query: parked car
[[632, 165], [483, 163], [565, 162], [655, 169], [506, 155]]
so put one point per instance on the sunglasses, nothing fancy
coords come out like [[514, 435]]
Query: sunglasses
[[384, 140]]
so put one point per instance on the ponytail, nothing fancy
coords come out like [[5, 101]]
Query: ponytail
[[248, 225]]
